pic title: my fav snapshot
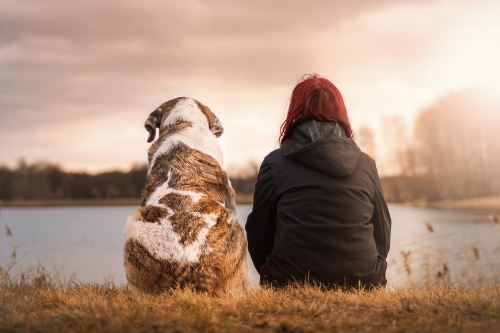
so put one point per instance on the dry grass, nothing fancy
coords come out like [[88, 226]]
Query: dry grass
[[79, 308]]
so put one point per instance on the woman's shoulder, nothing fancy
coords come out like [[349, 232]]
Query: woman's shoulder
[[364, 157], [272, 162], [273, 158]]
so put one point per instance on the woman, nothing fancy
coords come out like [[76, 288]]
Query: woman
[[319, 214]]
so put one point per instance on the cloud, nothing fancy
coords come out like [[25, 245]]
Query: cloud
[[55, 53], [65, 64]]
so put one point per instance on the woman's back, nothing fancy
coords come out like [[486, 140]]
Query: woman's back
[[319, 212]]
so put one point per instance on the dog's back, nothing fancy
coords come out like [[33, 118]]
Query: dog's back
[[185, 234]]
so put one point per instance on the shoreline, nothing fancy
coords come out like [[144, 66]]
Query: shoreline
[[26, 203], [480, 205], [483, 205]]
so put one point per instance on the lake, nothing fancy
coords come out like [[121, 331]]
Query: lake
[[86, 243]]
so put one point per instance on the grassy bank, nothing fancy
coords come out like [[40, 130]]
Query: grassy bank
[[110, 309]]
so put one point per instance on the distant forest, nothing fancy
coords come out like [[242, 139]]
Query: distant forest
[[47, 181], [452, 152]]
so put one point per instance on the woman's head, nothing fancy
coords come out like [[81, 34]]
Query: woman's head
[[315, 98]]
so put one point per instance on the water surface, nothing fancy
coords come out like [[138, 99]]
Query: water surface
[[86, 243]]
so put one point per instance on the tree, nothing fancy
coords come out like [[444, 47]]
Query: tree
[[366, 140], [457, 144]]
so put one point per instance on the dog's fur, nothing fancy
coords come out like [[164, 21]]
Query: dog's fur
[[185, 234]]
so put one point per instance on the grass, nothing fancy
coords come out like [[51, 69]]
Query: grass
[[92, 308]]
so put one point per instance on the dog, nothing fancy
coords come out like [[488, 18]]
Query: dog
[[186, 233]]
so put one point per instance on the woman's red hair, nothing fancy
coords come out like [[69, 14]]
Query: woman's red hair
[[315, 98]]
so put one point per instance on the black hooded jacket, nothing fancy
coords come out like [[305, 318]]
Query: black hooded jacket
[[319, 213]]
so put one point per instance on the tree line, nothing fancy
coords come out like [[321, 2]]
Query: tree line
[[453, 151], [43, 180], [48, 181]]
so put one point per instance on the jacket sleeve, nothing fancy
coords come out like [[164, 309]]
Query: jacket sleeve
[[261, 223], [381, 219]]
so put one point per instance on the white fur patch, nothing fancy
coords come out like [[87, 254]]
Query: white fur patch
[[163, 242], [160, 239]]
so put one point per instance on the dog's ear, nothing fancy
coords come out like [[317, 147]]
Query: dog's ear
[[213, 122], [152, 123]]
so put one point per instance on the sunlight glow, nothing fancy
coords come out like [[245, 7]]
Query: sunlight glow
[[472, 56]]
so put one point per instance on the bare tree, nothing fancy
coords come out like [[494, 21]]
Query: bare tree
[[365, 138], [457, 144]]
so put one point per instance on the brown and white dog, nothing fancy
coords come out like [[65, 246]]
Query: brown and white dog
[[185, 234]]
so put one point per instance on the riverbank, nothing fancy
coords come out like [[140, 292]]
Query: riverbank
[[110, 309], [483, 205], [240, 199]]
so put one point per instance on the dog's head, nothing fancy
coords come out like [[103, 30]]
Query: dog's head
[[182, 108]]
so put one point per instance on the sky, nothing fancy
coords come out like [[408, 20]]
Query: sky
[[77, 80]]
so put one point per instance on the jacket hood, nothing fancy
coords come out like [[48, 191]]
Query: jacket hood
[[323, 146]]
